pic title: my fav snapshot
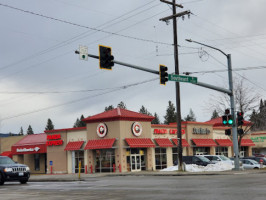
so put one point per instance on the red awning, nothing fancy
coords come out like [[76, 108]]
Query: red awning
[[204, 142], [7, 153], [224, 142], [100, 144], [140, 142], [247, 142], [163, 142], [184, 142], [73, 146]]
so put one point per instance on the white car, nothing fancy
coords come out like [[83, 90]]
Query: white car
[[250, 164], [219, 158]]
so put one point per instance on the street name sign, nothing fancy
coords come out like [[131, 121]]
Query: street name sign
[[180, 78]]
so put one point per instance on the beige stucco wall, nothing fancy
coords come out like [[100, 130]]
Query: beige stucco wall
[[7, 142], [57, 155]]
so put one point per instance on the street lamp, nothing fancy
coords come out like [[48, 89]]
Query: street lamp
[[232, 101]]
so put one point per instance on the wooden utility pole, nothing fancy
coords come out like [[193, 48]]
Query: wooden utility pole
[[177, 85]]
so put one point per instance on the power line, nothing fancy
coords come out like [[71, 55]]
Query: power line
[[78, 100], [83, 26]]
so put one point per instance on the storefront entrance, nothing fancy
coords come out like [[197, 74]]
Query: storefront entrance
[[104, 160], [135, 161]]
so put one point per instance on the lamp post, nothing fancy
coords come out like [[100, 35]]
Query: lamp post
[[232, 101]]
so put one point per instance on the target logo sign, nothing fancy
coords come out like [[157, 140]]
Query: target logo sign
[[136, 129], [102, 130]]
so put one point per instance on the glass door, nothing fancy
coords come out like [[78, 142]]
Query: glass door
[[135, 161]]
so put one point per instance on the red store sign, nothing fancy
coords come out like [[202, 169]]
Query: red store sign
[[28, 149], [54, 140], [165, 131]]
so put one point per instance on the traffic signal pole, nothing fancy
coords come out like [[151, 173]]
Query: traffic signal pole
[[125, 64], [232, 101]]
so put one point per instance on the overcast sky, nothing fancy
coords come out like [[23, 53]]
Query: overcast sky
[[41, 77]]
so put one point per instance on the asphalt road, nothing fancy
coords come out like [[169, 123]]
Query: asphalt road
[[236, 187]]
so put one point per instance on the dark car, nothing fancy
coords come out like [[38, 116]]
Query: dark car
[[258, 159], [198, 160], [12, 171]]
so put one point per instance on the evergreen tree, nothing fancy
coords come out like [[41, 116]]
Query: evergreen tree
[[156, 120], [49, 125], [190, 116], [111, 107], [21, 131], [122, 105], [143, 110], [170, 113], [214, 114], [82, 123], [77, 123], [30, 131]]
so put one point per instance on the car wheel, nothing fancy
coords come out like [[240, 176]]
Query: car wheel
[[2, 181], [255, 168], [24, 181]]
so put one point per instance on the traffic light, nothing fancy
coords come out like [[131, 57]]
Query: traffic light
[[224, 118], [105, 57], [230, 119], [163, 74], [240, 131], [240, 118], [228, 132]]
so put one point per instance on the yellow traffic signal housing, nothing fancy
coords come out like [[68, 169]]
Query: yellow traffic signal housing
[[105, 57]]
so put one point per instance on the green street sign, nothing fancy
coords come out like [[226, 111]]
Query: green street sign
[[179, 78]]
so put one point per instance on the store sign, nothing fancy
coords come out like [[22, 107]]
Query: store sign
[[165, 131], [136, 129], [102, 130], [36, 149], [258, 139], [201, 131], [54, 140]]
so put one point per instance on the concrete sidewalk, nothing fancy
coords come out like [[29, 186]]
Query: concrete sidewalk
[[87, 177]]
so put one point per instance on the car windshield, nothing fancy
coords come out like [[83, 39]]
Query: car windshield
[[224, 158], [6, 160], [254, 161], [204, 159]]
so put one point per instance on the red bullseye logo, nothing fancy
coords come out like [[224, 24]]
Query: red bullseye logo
[[102, 130], [136, 129]]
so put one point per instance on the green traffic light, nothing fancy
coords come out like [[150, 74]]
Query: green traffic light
[[230, 121], [224, 122], [83, 56]]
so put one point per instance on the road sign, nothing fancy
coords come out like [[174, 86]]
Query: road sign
[[179, 78], [83, 53]]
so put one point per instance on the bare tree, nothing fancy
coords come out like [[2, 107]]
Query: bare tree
[[246, 99]]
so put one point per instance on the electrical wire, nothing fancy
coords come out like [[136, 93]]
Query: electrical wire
[[78, 100]]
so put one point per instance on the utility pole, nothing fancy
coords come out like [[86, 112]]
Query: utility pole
[[177, 85]]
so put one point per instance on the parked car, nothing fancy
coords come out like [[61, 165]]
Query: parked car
[[258, 159], [12, 171], [219, 158], [250, 164], [198, 160], [259, 155]]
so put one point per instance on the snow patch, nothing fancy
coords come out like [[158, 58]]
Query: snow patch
[[220, 166]]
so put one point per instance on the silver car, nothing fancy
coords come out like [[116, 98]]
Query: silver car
[[250, 164]]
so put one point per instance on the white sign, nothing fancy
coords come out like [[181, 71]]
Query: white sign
[[28, 149], [102, 130], [83, 53], [136, 129]]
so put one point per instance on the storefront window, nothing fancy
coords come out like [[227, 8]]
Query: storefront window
[[201, 150], [160, 158], [175, 155], [79, 157], [243, 151], [105, 160], [37, 162], [221, 151]]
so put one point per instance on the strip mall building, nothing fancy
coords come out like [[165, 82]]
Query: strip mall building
[[122, 140]]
